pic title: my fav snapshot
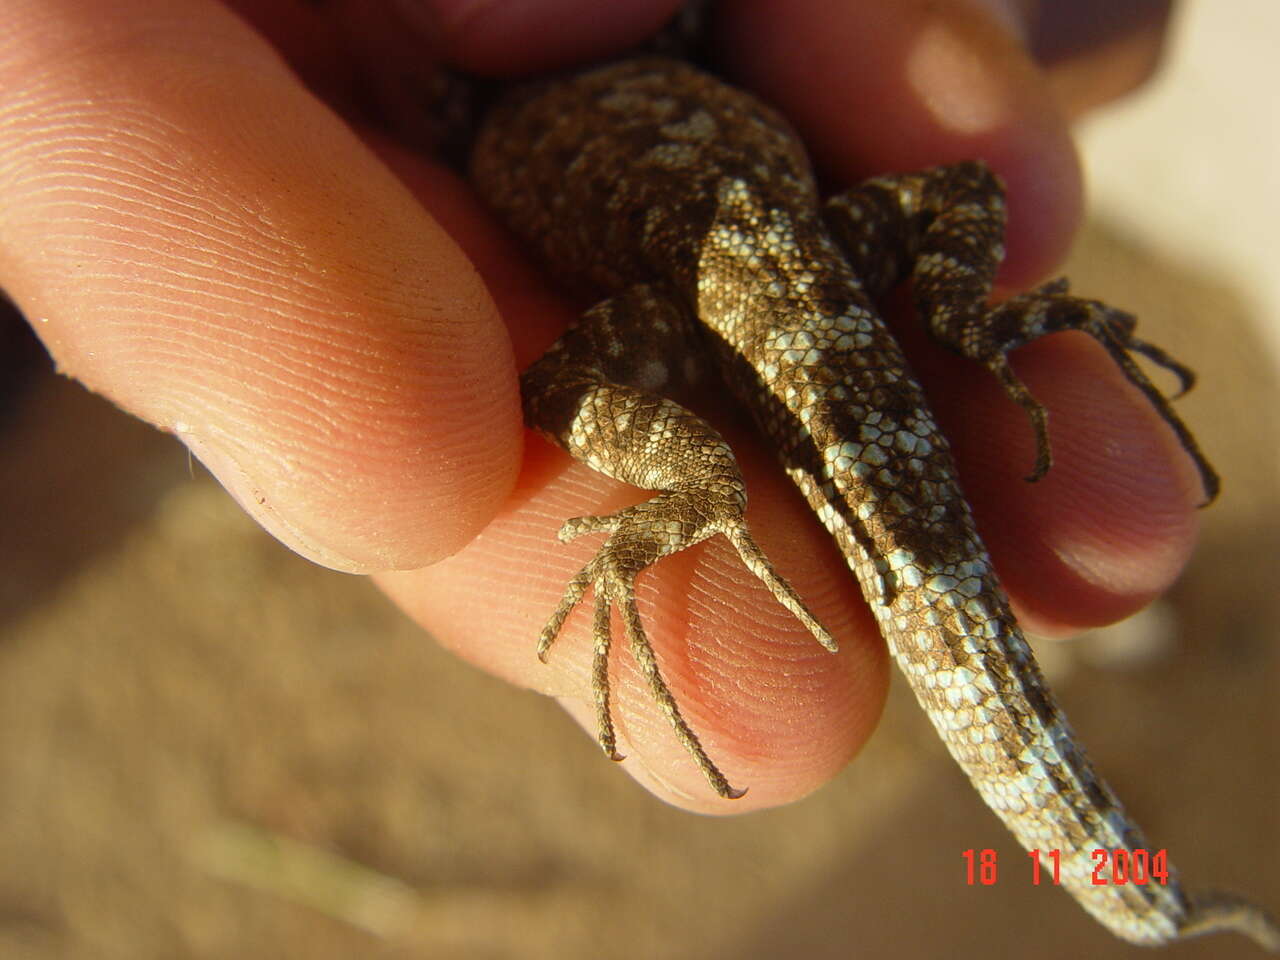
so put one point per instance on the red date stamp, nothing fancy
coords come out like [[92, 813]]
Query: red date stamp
[[1111, 868]]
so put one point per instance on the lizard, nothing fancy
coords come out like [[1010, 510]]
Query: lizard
[[690, 206]]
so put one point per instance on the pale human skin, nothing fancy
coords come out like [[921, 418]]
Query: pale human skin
[[334, 326]]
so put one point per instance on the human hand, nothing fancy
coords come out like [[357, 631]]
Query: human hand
[[198, 238]]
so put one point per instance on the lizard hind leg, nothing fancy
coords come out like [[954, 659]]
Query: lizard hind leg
[[989, 336], [598, 394], [944, 228]]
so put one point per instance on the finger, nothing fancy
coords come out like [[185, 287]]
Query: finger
[[892, 85], [198, 239]]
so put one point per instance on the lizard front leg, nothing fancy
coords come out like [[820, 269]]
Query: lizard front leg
[[598, 393], [944, 228]]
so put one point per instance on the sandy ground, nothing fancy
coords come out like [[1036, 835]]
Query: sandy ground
[[210, 748]]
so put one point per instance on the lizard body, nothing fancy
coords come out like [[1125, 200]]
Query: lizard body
[[691, 206]]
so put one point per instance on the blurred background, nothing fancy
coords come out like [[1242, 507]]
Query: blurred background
[[211, 748]]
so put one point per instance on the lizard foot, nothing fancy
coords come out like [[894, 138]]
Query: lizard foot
[[638, 537], [1050, 309]]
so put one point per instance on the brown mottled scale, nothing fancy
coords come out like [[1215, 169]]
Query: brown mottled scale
[[691, 207]]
